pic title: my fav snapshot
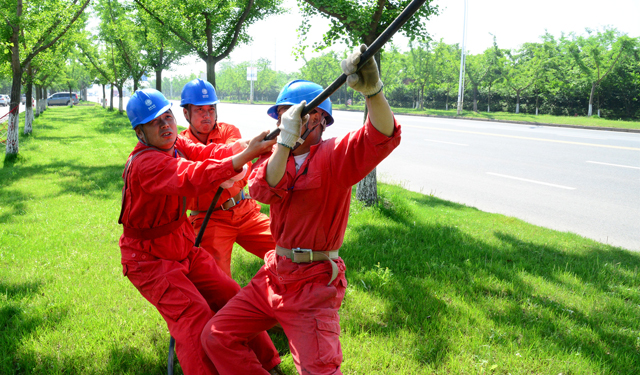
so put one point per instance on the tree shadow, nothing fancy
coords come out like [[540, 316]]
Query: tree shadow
[[423, 253]]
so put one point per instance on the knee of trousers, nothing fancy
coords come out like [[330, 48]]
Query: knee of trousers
[[214, 341]]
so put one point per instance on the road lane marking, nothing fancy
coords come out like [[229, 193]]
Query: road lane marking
[[520, 137], [449, 143], [613, 165], [533, 181]]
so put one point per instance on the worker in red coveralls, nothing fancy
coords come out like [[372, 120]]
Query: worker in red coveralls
[[302, 283], [236, 217], [182, 281]]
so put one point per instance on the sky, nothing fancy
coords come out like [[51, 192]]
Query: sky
[[512, 22]]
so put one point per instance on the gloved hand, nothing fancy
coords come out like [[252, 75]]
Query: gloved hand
[[366, 80], [290, 124], [229, 183]]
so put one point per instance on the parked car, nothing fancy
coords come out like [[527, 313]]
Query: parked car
[[62, 98], [4, 100]]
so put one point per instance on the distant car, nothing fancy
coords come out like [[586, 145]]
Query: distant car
[[23, 99], [62, 98], [4, 100]]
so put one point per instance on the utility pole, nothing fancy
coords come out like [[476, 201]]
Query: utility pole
[[462, 61]]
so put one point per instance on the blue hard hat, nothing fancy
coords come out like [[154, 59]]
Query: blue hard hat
[[198, 92], [145, 105], [295, 92]]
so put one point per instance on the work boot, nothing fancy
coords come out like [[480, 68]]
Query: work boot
[[276, 371]]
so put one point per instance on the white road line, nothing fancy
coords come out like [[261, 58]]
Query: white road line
[[449, 143], [613, 165], [533, 181]]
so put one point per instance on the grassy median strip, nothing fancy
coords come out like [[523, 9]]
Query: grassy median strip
[[434, 286], [593, 121]]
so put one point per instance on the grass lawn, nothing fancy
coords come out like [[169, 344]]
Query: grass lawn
[[434, 287], [593, 121]]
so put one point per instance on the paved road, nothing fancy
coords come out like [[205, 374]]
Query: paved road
[[581, 181]]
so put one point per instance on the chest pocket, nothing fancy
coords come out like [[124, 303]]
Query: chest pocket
[[308, 180]]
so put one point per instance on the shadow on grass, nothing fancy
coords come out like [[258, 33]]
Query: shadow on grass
[[72, 177], [16, 323], [425, 257]]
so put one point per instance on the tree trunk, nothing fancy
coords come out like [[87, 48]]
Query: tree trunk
[[211, 72], [120, 98], [104, 97], [475, 98], [159, 80], [517, 102], [28, 117], [70, 98], [593, 88], [38, 100], [537, 97], [14, 104], [111, 99]]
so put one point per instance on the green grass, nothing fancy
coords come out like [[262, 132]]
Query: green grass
[[434, 287], [593, 121]]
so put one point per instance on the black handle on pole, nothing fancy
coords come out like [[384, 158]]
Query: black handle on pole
[[207, 216], [402, 18]]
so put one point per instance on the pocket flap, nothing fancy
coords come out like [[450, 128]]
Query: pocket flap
[[329, 326]]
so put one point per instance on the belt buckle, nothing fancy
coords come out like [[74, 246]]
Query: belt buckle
[[230, 199], [298, 250]]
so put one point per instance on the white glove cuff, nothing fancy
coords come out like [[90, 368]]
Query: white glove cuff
[[240, 175], [287, 139], [374, 89]]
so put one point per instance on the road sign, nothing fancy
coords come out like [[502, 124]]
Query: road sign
[[252, 73]]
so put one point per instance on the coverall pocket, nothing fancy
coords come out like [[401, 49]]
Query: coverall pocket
[[169, 299], [328, 335]]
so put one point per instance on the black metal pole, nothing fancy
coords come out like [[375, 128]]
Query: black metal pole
[[402, 18], [212, 206]]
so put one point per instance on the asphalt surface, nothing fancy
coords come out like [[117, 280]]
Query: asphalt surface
[[575, 180], [581, 181]]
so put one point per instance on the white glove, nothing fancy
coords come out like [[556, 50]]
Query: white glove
[[229, 183], [290, 124], [366, 80]]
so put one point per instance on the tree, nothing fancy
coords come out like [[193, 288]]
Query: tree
[[447, 68], [355, 22], [519, 71], [211, 29], [597, 55], [163, 49], [31, 30]]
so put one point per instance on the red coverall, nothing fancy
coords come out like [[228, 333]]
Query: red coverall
[[309, 209], [182, 281], [242, 223]]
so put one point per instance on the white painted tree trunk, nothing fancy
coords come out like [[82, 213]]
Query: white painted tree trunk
[[517, 107], [488, 108], [38, 111], [28, 121], [598, 112], [12, 133], [367, 189], [447, 106], [590, 110], [536, 111], [120, 109]]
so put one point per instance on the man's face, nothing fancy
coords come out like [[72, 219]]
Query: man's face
[[160, 132], [201, 117]]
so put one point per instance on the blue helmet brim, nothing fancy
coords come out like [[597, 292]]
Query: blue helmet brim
[[155, 114]]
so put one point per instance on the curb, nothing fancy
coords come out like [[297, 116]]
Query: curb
[[510, 121]]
